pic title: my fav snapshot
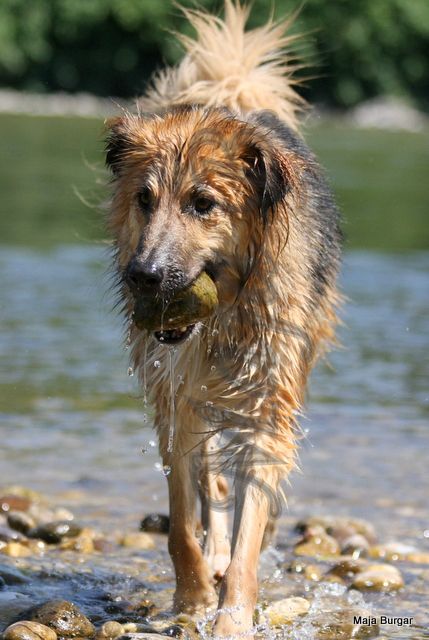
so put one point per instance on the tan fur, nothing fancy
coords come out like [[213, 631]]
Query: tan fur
[[245, 371]]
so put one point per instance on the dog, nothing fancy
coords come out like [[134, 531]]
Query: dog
[[211, 174]]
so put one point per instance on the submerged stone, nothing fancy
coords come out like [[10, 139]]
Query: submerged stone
[[155, 523]]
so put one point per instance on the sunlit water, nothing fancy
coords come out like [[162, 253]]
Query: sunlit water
[[73, 426]]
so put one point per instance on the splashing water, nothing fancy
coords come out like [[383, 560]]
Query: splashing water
[[157, 364], [130, 372]]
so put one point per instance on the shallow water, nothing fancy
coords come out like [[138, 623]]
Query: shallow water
[[72, 427]]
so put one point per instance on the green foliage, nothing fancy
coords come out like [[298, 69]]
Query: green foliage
[[355, 48]]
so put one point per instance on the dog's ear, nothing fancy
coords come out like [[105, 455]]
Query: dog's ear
[[117, 143], [270, 175]]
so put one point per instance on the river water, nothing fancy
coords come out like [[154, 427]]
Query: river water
[[72, 426]]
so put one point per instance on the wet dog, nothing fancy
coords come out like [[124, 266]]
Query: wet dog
[[211, 175]]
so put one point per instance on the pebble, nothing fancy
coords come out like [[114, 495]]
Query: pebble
[[29, 630], [64, 617], [319, 545], [9, 535], [54, 532], [355, 545], [347, 568], [340, 528], [110, 630], [378, 577], [137, 540], [286, 610], [14, 502], [83, 543], [140, 636], [20, 521], [155, 523], [395, 551], [16, 550]]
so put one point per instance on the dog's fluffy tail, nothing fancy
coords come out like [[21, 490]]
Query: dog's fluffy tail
[[225, 65]]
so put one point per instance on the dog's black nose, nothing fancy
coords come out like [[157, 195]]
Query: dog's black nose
[[144, 274]]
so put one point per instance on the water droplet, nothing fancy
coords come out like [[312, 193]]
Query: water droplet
[[152, 443], [216, 354], [209, 403], [213, 367], [145, 418], [203, 388], [130, 372], [158, 466], [157, 364], [426, 533], [144, 449], [215, 332], [166, 470]]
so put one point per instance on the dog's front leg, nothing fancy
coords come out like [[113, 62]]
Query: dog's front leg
[[239, 587], [193, 589]]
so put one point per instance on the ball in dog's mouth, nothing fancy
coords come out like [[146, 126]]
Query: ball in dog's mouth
[[174, 336]]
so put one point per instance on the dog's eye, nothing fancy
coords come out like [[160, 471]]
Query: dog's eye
[[145, 198], [203, 205]]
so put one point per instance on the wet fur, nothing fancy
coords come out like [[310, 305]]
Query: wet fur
[[273, 246]]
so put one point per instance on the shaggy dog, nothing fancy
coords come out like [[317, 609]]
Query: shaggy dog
[[211, 174]]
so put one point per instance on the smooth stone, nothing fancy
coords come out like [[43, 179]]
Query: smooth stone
[[286, 610], [16, 550], [137, 540], [64, 617], [8, 534], [20, 521], [340, 528], [320, 545], [392, 551], [83, 543], [155, 523], [313, 572], [347, 568], [54, 532], [356, 545], [110, 630], [419, 557], [379, 577], [29, 630], [12, 502]]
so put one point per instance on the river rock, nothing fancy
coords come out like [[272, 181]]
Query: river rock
[[378, 577], [155, 523], [10, 535], [347, 568], [110, 630], [340, 528], [392, 551], [318, 545], [29, 630], [54, 532], [16, 550], [12, 502], [286, 610], [20, 521], [137, 540], [356, 545], [140, 636], [64, 618]]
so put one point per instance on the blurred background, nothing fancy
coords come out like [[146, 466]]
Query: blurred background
[[72, 419]]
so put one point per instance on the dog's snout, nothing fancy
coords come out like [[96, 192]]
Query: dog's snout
[[145, 274]]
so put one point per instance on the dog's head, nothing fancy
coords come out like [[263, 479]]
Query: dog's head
[[194, 189]]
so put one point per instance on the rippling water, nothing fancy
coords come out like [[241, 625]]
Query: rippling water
[[71, 418]]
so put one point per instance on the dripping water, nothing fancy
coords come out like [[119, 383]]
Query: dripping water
[[145, 373], [172, 421]]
